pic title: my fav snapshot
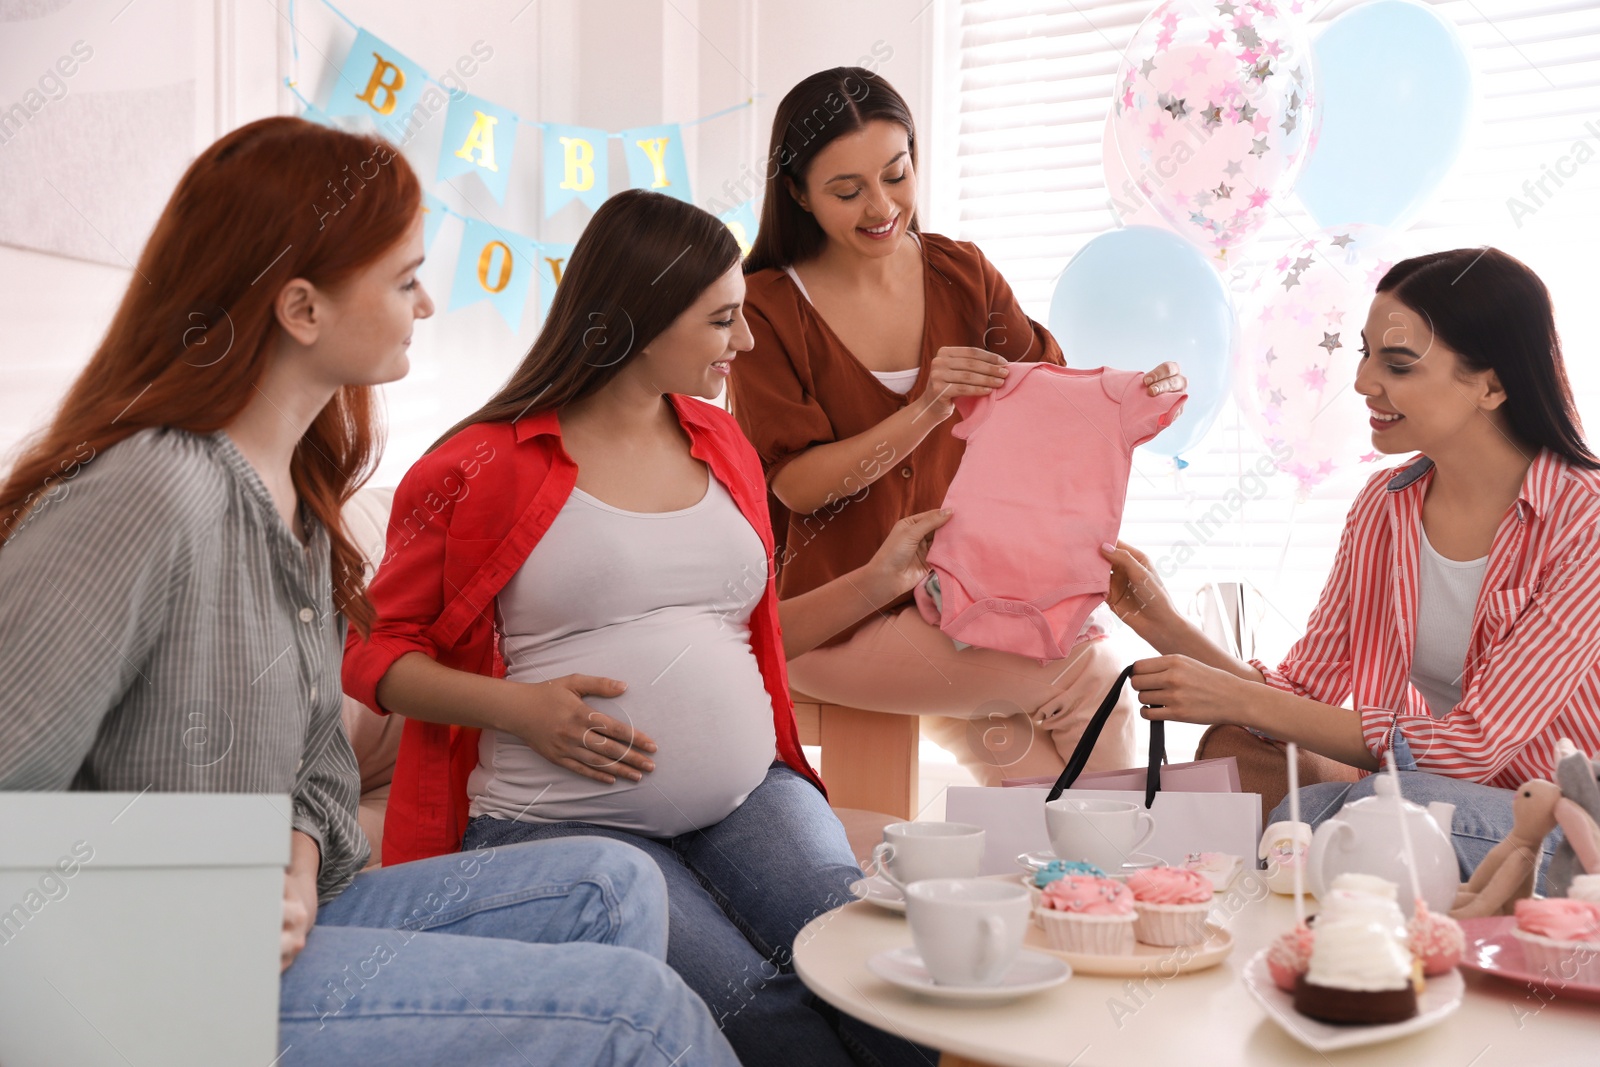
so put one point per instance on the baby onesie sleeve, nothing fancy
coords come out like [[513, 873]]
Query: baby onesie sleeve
[[974, 411], [1143, 415]]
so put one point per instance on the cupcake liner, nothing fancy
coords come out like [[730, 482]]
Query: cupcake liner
[[1561, 961], [1171, 924], [1099, 935]]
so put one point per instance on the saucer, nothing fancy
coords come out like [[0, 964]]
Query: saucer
[[1438, 1002], [876, 889], [1137, 861], [1032, 972], [1163, 961]]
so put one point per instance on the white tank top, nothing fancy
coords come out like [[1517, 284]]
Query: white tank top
[[896, 381], [1447, 593], [661, 601]]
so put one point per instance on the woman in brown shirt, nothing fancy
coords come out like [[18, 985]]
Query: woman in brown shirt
[[866, 331]]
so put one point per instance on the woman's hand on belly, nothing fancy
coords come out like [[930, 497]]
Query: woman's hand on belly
[[553, 720]]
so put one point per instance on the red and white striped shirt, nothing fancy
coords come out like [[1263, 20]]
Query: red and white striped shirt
[[1531, 672]]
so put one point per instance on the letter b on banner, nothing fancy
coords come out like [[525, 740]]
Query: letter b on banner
[[378, 82]]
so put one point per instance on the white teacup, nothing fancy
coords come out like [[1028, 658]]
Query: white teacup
[[912, 851], [1102, 832], [967, 930]]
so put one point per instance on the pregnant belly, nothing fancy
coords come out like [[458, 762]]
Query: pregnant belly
[[695, 690]]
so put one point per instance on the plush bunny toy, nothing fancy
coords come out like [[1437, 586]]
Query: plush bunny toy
[[1507, 873], [1579, 851]]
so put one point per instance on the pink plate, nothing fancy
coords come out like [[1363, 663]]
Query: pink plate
[[1492, 949]]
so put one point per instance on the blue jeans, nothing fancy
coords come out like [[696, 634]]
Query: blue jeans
[[1482, 817], [737, 894], [510, 955]]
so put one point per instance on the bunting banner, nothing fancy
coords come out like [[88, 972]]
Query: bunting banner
[[378, 82], [743, 224], [380, 85], [552, 264], [494, 265], [436, 211], [656, 160], [576, 167], [479, 138]]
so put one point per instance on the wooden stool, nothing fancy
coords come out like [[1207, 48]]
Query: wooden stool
[[869, 758]]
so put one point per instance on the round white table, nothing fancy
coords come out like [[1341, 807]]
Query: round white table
[[1202, 1018]]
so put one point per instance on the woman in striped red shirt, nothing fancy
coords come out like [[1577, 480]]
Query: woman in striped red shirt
[[1462, 617]]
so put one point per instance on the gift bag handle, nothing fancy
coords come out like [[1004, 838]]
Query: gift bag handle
[[1091, 734]]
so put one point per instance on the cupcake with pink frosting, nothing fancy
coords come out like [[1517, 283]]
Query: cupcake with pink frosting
[[1082, 913], [1171, 904], [1561, 937], [1289, 956], [1437, 940]]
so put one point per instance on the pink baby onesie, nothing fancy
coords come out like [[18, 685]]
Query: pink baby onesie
[[1040, 488]]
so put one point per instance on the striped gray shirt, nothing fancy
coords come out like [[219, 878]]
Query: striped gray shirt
[[161, 628]]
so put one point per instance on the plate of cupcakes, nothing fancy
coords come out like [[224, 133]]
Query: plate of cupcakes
[[1155, 921], [1553, 943]]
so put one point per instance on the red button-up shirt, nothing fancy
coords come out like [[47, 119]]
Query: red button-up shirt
[[465, 517], [1532, 670]]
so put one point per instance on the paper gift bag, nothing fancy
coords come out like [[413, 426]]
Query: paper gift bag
[[1186, 822], [1201, 776], [1013, 821]]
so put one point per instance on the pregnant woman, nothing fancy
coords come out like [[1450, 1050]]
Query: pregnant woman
[[579, 575], [866, 331], [174, 558], [1463, 611]]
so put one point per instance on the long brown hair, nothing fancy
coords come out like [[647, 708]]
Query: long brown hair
[[1496, 314], [822, 108], [276, 199], [642, 261]]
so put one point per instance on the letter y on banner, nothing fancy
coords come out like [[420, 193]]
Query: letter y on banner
[[656, 160]]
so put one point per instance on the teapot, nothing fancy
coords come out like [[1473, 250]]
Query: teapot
[[1364, 838]]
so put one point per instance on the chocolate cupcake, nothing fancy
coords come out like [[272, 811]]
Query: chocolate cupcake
[[1361, 970]]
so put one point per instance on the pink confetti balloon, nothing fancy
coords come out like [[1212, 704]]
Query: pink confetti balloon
[[1128, 205], [1214, 116], [1300, 344]]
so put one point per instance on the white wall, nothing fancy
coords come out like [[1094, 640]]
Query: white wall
[[605, 63]]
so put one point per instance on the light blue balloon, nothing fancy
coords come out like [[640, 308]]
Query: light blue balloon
[[1137, 297], [1396, 93]]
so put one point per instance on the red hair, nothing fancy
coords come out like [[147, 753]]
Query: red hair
[[277, 199]]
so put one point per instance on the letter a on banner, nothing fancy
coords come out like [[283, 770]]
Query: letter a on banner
[[656, 160], [574, 167], [379, 82], [478, 137], [494, 265]]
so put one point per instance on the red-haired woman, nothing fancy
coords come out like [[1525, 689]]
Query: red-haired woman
[[866, 331], [174, 556]]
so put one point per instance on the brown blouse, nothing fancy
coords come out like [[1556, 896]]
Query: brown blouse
[[800, 387]]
